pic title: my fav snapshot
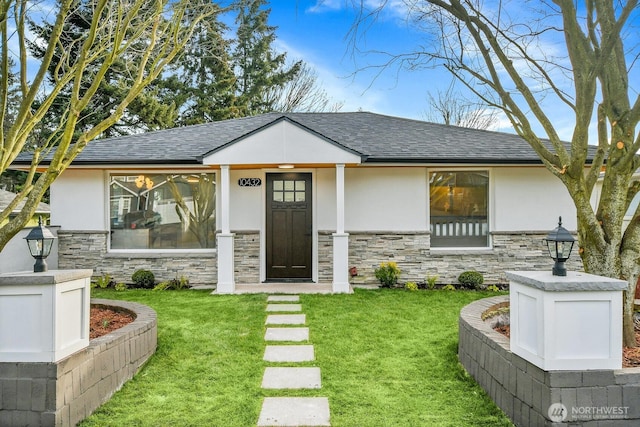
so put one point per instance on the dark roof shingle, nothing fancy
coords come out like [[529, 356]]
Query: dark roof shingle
[[378, 138]]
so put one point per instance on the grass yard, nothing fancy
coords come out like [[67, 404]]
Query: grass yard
[[387, 357]]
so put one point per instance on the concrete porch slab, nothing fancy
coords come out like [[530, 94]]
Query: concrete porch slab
[[291, 378], [285, 288], [289, 353], [294, 411], [284, 307], [283, 298], [286, 319], [286, 334]]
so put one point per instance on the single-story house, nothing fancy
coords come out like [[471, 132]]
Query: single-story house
[[308, 197]]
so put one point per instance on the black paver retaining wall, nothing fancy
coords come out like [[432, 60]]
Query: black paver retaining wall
[[525, 392], [66, 392]]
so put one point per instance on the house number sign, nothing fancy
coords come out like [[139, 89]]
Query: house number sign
[[249, 182]]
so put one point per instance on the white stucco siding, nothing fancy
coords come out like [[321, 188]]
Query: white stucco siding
[[325, 180], [246, 208], [530, 199], [386, 199], [281, 143], [78, 200]]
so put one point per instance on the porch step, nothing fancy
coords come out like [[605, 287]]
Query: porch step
[[286, 334], [281, 298], [286, 319], [291, 378], [294, 411], [284, 307], [289, 353]]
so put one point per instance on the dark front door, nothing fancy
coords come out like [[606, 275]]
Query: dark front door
[[289, 226]]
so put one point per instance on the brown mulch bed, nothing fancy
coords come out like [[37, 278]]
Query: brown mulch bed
[[105, 320], [630, 356]]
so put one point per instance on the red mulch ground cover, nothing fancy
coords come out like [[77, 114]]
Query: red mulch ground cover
[[105, 320]]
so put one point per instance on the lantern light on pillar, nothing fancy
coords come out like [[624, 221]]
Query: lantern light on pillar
[[40, 240], [559, 243]]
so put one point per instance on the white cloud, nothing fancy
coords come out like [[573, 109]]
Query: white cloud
[[339, 88]]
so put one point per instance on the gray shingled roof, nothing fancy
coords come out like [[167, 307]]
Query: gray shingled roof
[[378, 138]]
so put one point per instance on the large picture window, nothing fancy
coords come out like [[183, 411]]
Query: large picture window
[[458, 209], [163, 211]]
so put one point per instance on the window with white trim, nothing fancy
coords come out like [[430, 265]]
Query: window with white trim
[[162, 211], [459, 209]]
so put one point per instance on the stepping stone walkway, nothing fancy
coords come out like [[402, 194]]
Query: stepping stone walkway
[[290, 411]]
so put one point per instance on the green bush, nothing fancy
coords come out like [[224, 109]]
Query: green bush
[[449, 288], [493, 288], [388, 274], [143, 279], [121, 286], [471, 279], [173, 284], [102, 282], [431, 281], [411, 286]]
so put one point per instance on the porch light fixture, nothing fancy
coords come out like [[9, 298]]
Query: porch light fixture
[[40, 240], [285, 166], [559, 242]]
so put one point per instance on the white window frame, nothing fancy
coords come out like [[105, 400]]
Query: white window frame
[[157, 252], [490, 198]]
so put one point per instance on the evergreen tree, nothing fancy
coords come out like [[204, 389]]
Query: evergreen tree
[[260, 71], [147, 112], [204, 83]]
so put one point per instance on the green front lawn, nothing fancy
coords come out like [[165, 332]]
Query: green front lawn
[[387, 357]]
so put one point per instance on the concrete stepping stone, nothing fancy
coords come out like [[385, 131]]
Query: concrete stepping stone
[[284, 307], [286, 319], [289, 353], [286, 334], [291, 378], [283, 298], [294, 411]]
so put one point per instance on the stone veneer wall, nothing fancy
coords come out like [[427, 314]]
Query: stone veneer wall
[[66, 392], [88, 249], [247, 257], [525, 392], [411, 250]]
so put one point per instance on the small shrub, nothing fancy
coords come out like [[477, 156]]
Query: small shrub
[[102, 282], [411, 286], [431, 281], [175, 284], [388, 274], [162, 286], [449, 288], [471, 279], [143, 279], [493, 288], [121, 286]]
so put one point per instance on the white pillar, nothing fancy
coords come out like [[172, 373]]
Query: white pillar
[[340, 239], [571, 322], [224, 199], [226, 280], [340, 199]]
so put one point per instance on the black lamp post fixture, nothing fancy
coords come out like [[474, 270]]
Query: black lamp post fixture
[[559, 242], [40, 240]]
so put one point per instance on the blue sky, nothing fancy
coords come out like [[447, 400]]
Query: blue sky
[[317, 31]]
